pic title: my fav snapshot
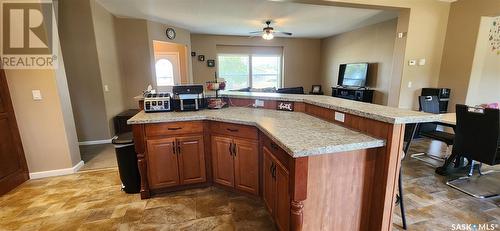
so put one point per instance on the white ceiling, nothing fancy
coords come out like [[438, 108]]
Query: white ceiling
[[239, 17]]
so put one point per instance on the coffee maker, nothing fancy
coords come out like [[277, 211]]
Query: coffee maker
[[188, 97]]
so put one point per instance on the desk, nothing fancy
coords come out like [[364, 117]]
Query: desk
[[448, 119]]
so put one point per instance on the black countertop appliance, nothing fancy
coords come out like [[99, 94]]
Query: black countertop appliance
[[188, 97]]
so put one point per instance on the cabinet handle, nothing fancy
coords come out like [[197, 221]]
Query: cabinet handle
[[234, 149], [232, 129], [274, 171], [173, 147], [271, 168], [231, 149], [173, 129], [178, 148], [274, 146]]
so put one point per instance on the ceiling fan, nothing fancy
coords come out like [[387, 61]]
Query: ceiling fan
[[268, 32]]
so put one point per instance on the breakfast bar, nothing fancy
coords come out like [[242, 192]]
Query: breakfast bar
[[330, 164]]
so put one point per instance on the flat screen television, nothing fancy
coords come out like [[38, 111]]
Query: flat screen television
[[353, 74]]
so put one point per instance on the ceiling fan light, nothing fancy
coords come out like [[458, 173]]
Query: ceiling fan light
[[267, 36]]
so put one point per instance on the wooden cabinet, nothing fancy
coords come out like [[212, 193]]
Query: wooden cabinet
[[222, 160], [163, 169], [175, 161], [276, 189], [246, 165], [235, 156], [191, 158]]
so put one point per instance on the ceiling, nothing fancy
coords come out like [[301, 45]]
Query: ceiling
[[239, 17]]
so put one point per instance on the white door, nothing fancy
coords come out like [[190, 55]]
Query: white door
[[167, 68]]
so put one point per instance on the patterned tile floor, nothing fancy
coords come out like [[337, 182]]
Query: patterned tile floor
[[92, 200], [432, 205]]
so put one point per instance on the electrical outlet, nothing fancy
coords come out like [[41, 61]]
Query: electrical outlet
[[258, 103], [106, 88], [412, 62], [340, 117], [410, 84]]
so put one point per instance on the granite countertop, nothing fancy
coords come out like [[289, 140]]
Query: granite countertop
[[382, 113], [297, 133]]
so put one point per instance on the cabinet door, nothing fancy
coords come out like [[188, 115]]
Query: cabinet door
[[246, 165], [269, 185], [163, 168], [282, 213], [222, 160], [191, 159]]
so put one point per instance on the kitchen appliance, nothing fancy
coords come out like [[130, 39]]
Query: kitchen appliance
[[443, 95], [188, 97], [157, 102]]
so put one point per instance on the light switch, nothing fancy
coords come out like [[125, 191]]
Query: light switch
[[410, 84], [421, 62], [106, 88], [37, 95], [340, 117]]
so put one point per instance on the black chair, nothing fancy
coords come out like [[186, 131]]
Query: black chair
[[430, 104], [477, 137], [291, 90]]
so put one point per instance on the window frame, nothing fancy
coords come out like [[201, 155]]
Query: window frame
[[250, 65]]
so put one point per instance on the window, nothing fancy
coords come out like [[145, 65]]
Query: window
[[250, 70], [164, 73], [235, 69]]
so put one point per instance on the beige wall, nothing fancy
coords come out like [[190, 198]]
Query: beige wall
[[135, 48], [47, 127], [160, 47], [156, 32], [484, 84], [459, 49], [107, 54], [82, 68], [426, 32], [300, 57], [373, 44]]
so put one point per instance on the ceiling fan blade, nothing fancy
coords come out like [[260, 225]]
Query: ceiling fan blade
[[285, 33], [256, 32]]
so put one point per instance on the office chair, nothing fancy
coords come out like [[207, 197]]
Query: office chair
[[430, 104], [477, 138]]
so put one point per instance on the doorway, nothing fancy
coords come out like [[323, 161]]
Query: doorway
[[170, 67]]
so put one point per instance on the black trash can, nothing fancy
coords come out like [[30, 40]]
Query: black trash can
[[127, 162]]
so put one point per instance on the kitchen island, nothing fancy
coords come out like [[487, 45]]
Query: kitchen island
[[321, 167]]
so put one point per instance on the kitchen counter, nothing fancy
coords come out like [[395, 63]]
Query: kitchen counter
[[288, 129], [377, 112]]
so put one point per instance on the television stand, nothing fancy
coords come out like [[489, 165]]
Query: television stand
[[357, 94]]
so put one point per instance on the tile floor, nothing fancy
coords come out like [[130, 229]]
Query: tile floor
[[98, 156], [91, 200]]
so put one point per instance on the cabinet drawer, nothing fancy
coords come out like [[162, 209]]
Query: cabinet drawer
[[243, 131], [174, 128]]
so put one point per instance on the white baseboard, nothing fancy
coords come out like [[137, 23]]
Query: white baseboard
[[57, 172], [93, 142]]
